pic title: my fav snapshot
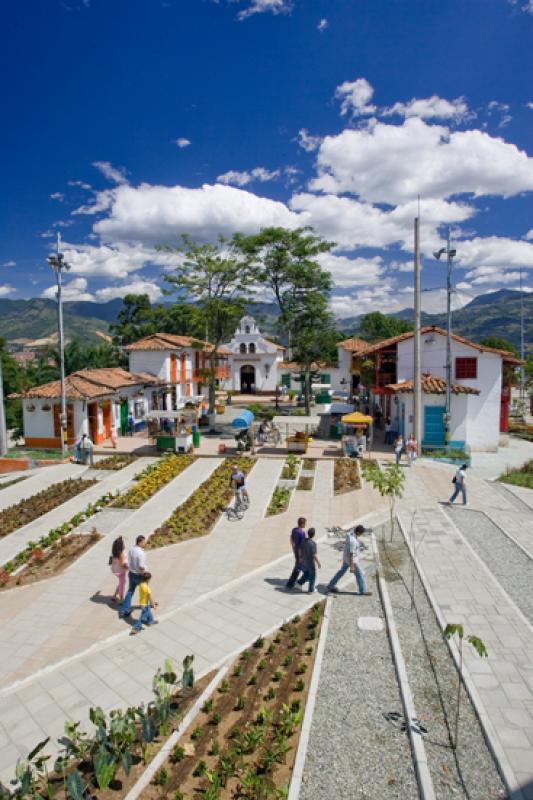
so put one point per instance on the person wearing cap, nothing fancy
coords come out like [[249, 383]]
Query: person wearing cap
[[350, 561], [237, 482]]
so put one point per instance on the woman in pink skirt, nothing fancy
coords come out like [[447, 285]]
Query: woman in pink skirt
[[119, 567]]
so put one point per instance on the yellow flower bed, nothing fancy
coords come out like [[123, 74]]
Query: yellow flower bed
[[152, 480]]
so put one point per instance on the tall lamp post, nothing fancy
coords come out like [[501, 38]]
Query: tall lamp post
[[58, 264], [450, 254], [3, 428]]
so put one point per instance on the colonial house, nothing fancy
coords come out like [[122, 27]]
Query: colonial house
[[179, 363], [480, 391], [97, 400], [254, 360]]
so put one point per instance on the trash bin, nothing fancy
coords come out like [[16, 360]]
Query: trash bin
[[196, 438]]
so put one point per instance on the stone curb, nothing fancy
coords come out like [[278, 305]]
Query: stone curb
[[498, 754], [301, 752], [174, 737], [425, 783]]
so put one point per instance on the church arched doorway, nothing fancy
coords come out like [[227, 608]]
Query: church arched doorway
[[247, 379]]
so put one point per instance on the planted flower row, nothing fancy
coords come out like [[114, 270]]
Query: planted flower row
[[24, 512], [115, 753], [281, 496], [152, 479], [198, 514], [116, 462], [53, 536]]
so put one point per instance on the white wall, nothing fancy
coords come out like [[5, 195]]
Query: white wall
[[38, 424], [156, 362], [483, 410]]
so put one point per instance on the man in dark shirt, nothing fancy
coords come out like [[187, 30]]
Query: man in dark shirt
[[298, 536]]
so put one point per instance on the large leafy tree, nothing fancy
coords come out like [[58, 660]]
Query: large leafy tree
[[499, 344], [138, 318], [376, 326], [219, 278], [287, 265], [13, 381]]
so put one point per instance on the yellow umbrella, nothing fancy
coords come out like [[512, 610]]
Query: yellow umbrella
[[356, 418]]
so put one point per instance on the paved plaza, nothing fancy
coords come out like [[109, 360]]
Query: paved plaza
[[64, 649]]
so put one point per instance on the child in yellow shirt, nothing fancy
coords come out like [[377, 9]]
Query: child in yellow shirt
[[147, 603]]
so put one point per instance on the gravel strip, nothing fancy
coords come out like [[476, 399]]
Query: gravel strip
[[469, 773], [354, 751], [507, 562]]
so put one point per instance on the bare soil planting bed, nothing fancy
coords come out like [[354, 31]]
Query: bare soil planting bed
[[47, 563], [115, 462], [243, 743], [346, 476], [29, 509], [305, 483]]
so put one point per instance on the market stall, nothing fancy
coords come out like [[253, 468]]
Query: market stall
[[243, 427], [298, 431], [357, 434], [174, 430]]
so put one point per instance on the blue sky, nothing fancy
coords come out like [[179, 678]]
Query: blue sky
[[129, 122]]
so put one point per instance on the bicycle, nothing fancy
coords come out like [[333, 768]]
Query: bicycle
[[236, 511]]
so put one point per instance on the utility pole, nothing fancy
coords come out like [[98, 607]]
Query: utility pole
[[521, 339], [450, 253], [3, 429], [417, 393], [58, 263]]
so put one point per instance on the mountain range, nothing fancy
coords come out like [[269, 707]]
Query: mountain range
[[493, 314]]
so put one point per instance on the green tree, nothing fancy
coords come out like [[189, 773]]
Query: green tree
[[287, 264], [455, 630], [376, 326], [499, 344], [219, 278], [138, 318], [13, 382]]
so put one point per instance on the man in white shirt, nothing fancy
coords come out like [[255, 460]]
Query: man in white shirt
[[138, 565], [460, 484], [350, 561]]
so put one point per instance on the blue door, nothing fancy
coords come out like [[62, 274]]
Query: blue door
[[434, 425]]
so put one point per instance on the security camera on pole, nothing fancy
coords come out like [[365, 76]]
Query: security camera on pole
[[450, 254], [58, 263]]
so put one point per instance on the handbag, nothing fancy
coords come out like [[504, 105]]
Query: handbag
[[454, 479]]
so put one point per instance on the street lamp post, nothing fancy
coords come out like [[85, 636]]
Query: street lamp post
[[58, 264], [450, 254], [3, 428]]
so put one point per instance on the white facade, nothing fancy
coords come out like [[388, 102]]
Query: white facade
[[177, 368], [475, 419], [254, 361]]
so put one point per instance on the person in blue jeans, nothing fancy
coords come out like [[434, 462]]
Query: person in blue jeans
[[298, 536], [460, 484], [350, 561], [147, 603], [137, 564], [309, 561]]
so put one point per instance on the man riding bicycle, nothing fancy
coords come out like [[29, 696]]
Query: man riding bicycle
[[237, 482]]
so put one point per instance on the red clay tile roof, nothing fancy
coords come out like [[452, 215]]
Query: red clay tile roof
[[90, 383], [353, 344], [431, 385], [170, 341], [374, 348]]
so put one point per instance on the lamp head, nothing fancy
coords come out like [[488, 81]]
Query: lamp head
[[452, 253], [438, 253]]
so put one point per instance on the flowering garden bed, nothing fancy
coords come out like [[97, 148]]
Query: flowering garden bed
[[24, 512], [43, 564], [198, 514], [115, 462], [152, 479], [243, 743], [52, 544]]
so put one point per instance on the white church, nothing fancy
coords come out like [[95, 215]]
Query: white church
[[254, 360]]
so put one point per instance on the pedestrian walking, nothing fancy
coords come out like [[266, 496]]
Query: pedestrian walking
[[412, 449], [88, 450], [297, 538], [131, 424], [114, 437], [147, 603], [350, 561], [398, 448], [459, 481], [310, 561], [137, 564], [388, 431], [119, 567]]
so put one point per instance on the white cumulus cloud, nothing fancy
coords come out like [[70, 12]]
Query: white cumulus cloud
[[244, 178], [182, 142], [355, 97], [347, 272], [433, 107], [59, 196], [307, 141], [265, 6], [115, 174], [9, 264], [5, 290], [323, 24], [75, 289], [135, 287]]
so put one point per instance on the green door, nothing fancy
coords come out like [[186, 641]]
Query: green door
[[286, 381], [124, 418]]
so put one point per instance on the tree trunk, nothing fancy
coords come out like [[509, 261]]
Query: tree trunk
[[307, 390]]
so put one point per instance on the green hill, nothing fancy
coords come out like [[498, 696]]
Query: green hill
[[37, 318]]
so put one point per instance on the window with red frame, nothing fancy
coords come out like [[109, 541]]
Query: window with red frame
[[465, 368]]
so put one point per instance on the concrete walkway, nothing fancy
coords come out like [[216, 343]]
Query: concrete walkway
[[465, 591]]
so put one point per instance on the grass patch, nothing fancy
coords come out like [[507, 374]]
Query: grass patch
[[522, 476]]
